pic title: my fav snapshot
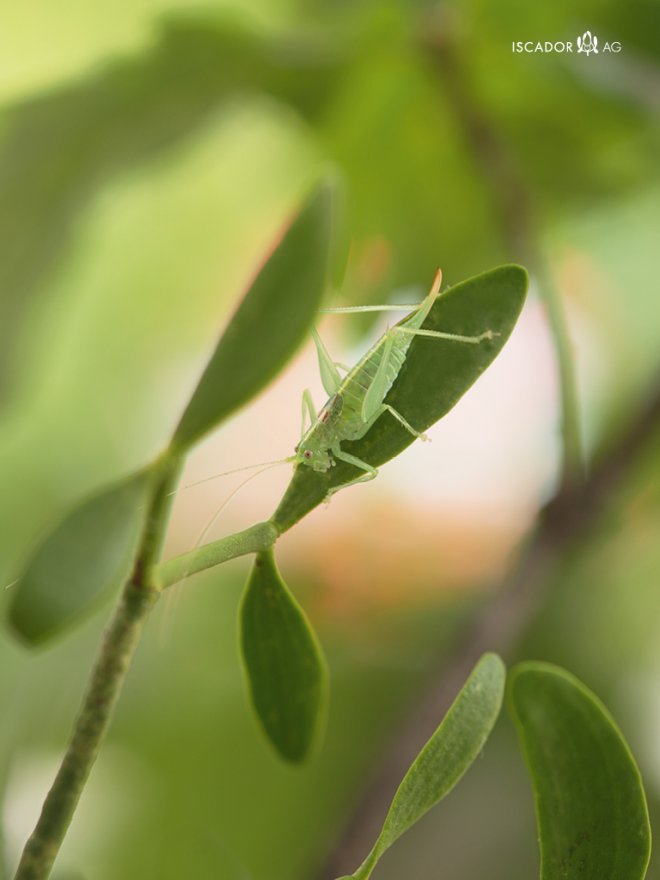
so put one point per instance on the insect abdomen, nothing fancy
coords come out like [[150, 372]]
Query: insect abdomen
[[357, 383]]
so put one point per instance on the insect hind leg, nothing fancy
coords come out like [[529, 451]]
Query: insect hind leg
[[452, 337], [370, 472], [400, 419]]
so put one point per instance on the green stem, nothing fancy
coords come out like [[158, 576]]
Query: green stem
[[258, 537], [116, 653], [108, 675]]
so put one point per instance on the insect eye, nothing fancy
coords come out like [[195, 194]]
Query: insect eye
[[296, 447], [307, 454]]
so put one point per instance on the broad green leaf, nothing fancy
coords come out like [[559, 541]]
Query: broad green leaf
[[434, 377], [590, 804], [286, 671], [446, 756], [80, 561], [269, 323]]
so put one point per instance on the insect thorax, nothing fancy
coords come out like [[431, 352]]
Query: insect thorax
[[331, 410], [313, 449]]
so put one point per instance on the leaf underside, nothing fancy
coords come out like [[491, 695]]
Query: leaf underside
[[270, 322], [81, 561]]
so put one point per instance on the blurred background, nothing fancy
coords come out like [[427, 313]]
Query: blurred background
[[149, 153]]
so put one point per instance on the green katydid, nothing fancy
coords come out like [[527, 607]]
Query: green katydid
[[357, 400]]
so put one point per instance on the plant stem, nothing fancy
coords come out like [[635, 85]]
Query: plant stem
[[115, 655], [253, 540], [108, 675], [89, 730]]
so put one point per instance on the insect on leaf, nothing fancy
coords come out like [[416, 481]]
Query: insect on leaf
[[590, 804], [80, 561], [435, 375], [270, 322], [446, 756], [286, 671]]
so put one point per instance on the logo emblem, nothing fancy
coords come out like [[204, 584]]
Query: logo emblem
[[587, 44]]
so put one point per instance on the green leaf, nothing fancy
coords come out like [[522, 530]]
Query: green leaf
[[445, 757], [286, 671], [434, 377], [590, 805], [269, 323], [81, 561]]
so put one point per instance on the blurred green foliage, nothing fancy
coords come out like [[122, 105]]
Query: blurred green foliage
[[145, 164]]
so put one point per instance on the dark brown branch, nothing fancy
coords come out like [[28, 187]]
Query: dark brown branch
[[510, 196], [514, 212], [563, 524]]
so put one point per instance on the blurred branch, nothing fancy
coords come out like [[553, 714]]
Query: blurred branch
[[563, 524], [512, 202]]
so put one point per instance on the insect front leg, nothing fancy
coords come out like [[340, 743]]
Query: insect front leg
[[370, 472]]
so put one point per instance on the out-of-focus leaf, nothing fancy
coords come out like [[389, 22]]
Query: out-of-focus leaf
[[82, 560], [285, 668], [445, 757], [590, 804], [434, 377], [269, 323], [59, 149]]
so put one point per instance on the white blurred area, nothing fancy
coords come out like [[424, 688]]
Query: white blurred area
[[118, 792]]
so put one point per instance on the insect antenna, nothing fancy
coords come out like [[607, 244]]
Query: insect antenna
[[209, 525], [172, 595], [248, 467]]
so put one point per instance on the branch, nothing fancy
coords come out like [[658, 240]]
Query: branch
[[514, 212], [561, 525]]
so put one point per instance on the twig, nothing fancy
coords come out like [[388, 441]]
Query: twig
[[121, 638], [562, 524], [513, 209], [258, 537]]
